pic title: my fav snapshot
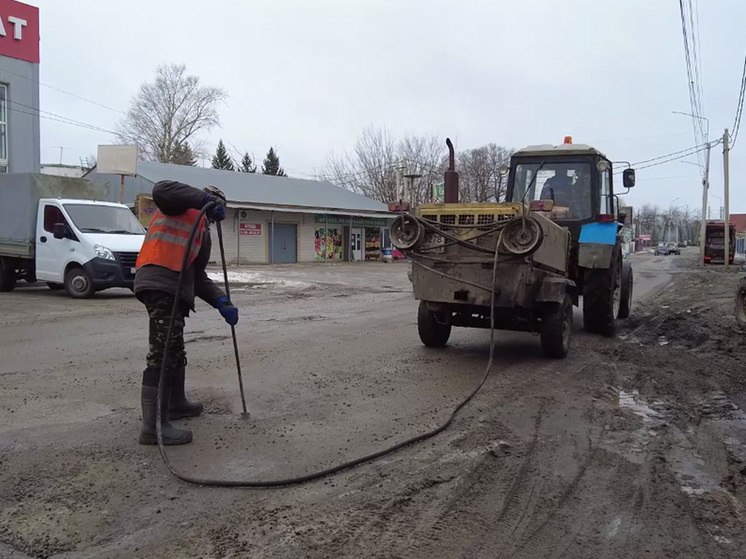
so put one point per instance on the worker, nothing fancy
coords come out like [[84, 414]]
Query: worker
[[158, 266], [559, 188]]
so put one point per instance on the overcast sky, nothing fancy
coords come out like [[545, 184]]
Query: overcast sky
[[308, 76]]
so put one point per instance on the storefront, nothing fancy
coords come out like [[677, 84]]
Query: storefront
[[349, 238], [272, 220]]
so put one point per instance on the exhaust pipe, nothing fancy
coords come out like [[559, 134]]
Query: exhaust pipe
[[451, 177]]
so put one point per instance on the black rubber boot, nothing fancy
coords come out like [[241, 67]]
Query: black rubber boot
[[148, 435], [180, 406]]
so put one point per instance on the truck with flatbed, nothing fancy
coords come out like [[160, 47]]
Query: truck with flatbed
[[63, 231]]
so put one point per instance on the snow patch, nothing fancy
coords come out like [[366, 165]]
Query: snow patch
[[256, 279]]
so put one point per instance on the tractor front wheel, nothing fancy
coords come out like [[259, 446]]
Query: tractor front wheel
[[434, 330], [556, 329]]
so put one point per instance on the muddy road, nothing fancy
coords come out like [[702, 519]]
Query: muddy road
[[631, 447]]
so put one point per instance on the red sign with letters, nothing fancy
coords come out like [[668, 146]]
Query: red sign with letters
[[19, 31], [250, 228]]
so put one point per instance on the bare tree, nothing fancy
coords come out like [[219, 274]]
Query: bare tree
[[169, 112], [371, 168], [480, 179], [88, 162], [424, 156], [648, 218]]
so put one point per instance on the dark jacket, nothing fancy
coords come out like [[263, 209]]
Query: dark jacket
[[174, 198]]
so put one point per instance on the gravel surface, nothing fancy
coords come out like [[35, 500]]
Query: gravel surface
[[630, 447]]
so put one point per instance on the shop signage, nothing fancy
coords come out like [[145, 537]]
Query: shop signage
[[19, 31], [356, 221], [250, 228], [439, 192]]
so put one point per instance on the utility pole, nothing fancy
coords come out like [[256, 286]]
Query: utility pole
[[399, 192], [726, 180], [705, 209], [61, 148], [411, 177]]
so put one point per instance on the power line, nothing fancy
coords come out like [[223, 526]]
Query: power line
[[59, 118], [65, 92], [72, 123], [693, 69], [688, 151], [675, 156], [739, 107]]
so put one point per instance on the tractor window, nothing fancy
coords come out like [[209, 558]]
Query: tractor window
[[607, 201], [568, 184]]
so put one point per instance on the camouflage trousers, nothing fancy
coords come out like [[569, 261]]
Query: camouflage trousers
[[159, 306]]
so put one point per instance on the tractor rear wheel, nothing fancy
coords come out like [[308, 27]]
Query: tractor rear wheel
[[556, 329], [741, 304], [433, 332], [625, 304], [602, 296]]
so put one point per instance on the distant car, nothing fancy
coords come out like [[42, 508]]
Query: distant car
[[673, 248], [683, 244], [661, 250]]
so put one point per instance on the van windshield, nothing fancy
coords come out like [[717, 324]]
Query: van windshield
[[90, 218]]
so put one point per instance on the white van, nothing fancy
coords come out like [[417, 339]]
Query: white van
[[79, 244]]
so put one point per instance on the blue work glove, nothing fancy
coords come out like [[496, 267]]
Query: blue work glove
[[227, 311], [217, 212]]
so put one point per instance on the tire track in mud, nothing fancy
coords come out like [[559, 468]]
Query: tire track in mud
[[434, 518], [541, 542], [442, 484]]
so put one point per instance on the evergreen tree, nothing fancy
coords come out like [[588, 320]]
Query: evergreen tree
[[183, 155], [246, 165], [271, 164], [221, 159]]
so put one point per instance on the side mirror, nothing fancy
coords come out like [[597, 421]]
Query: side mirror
[[59, 230], [628, 178]]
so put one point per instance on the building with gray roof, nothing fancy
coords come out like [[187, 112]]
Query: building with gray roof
[[271, 219]]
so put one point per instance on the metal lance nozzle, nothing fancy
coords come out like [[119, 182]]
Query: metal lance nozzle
[[451, 177]]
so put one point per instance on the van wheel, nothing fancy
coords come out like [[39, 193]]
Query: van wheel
[[8, 277], [77, 283]]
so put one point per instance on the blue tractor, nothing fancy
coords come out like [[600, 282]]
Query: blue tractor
[[574, 184]]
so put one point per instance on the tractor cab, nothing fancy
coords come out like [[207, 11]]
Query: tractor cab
[[577, 180], [573, 185]]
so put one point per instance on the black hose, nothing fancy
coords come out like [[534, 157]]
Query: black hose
[[329, 471]]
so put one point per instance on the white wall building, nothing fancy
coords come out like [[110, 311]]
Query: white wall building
[[275, 219]]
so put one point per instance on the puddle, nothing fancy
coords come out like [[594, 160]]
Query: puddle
[[632, 402]]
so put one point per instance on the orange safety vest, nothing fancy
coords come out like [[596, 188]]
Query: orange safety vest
[[167, 238]]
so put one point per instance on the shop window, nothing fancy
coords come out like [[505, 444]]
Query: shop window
[[3, 128], [328, 243], [372, 243]]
